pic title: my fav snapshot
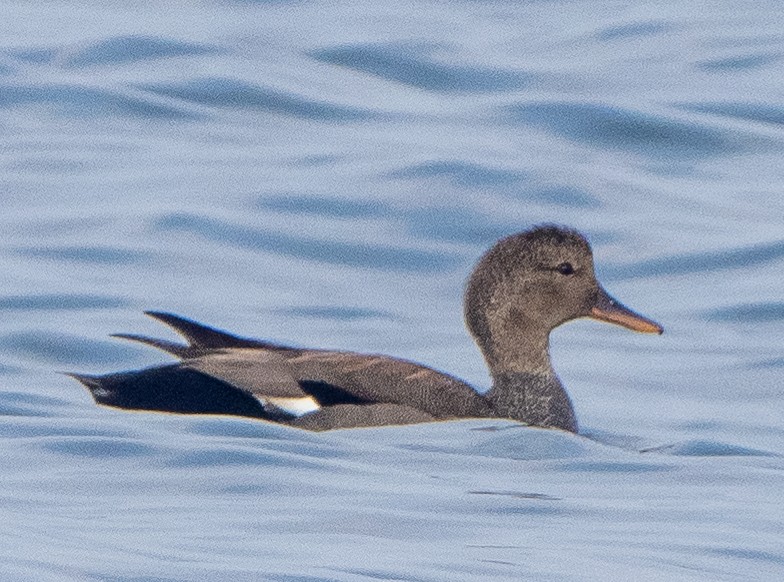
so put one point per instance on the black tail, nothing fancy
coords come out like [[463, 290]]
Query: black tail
[[171, 389]]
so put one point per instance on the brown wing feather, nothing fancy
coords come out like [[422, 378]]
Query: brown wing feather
[[263, 373], [203, 336], [370, 378], [390, 380]]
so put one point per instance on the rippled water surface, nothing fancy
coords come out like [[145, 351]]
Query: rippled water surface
[[325, 174]]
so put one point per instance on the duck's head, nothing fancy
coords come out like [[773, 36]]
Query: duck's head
[[530, 283]]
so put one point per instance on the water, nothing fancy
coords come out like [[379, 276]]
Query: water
[[325, 174]]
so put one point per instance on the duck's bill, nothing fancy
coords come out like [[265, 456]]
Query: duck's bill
[[608, 309]]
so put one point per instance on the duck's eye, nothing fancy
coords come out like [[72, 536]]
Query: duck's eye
[[565, 268]]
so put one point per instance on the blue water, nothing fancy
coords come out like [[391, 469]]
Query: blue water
[[326, 174]]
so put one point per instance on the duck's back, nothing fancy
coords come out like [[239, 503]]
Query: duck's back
[[341, 378]]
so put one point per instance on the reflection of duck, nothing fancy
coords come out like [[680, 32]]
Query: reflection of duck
[[525, 286]]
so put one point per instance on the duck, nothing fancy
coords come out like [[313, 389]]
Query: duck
[[521, 289]]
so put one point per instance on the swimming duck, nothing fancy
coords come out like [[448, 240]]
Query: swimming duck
[[522, 288]]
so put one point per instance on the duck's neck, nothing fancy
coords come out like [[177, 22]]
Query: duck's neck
[[525, 387], [517, 347], [533, 398]]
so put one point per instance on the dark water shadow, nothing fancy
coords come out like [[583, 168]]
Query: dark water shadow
[[772, 363], [86, 102], [375, 574], [59, 302], [98, 255], [758, 556], [62, 348], [705, 448], [323, 206], [135, 48], [432, 223], [739, 63], [759, 112], [314, 160], [614, 467], [266, 2], [231, 93], [655, 136], [252, 489], [530, 509], [633, 30], [751, 313], [28, 404], [38, 56], [48, 429], [569, 196], [461, 174], [323, 251], [225, 457], [705, 262], [517, 495], [454, 224], [271, 442], [461, 224], [98, 448], [49, 166], [242, 427], [335, 313], [411, 66], [513, 183]]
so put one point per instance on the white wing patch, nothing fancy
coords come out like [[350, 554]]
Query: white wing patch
[[295, 406]]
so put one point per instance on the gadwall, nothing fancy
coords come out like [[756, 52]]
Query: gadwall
[[521, 289]]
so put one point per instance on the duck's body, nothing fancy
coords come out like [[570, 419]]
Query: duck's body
[[288, 382], [521, 289]]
